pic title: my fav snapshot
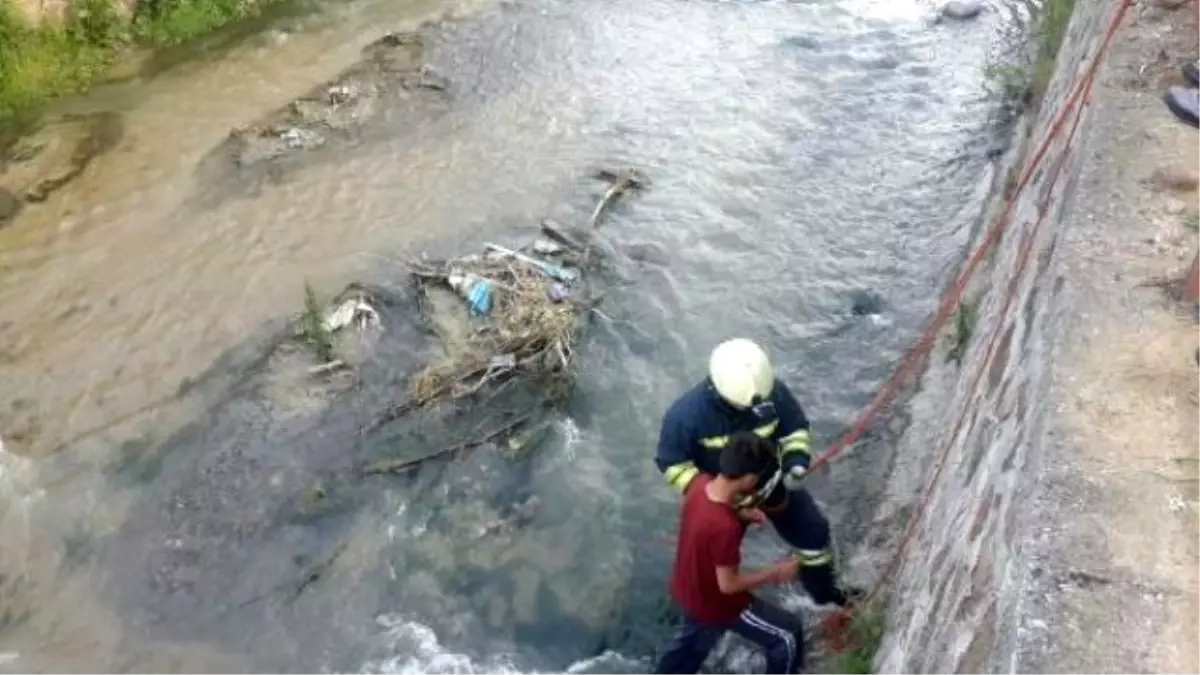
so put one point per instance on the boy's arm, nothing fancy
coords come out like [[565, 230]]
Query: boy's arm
[[727, 546], [731, 581]]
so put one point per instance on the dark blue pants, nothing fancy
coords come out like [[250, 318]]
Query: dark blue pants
[[778, 632], [799, 521]]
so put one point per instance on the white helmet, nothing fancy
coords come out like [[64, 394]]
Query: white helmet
[[740, 371]]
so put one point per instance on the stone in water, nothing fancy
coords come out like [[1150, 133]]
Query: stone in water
[[962, 9]]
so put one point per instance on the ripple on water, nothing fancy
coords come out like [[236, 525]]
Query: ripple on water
[[418, 650], [801, 153], [797, 152]]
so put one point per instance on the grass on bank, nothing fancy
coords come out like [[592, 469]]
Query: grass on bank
[[1051, 30], [38, 63], [865, 635], [965, 319], [162, 23], [1023, 85]]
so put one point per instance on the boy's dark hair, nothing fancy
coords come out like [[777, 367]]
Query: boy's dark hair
[[745, 454]]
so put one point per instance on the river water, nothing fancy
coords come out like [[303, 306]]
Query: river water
[[804, 156]]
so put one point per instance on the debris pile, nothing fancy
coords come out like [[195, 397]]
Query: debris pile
[[516, 314], [526, 306], [525, 313], [391, 76], [323, 330]]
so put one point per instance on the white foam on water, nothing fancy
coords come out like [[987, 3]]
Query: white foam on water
[[416, 649], [18, 488], [19, 496], [887, 10], [572, 438]]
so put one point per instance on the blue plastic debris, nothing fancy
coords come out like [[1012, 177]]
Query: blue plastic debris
[[476, 290], [479, 298]]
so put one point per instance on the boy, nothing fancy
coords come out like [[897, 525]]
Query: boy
[[706, 582]]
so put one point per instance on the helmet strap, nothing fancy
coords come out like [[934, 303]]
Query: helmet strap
[[721, 400]]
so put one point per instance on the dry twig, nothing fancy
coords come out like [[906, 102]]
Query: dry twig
[[397, 466]]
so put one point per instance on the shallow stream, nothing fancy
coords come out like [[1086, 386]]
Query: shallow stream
[[805, 158]]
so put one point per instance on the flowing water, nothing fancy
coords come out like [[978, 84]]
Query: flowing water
[[804, 156]]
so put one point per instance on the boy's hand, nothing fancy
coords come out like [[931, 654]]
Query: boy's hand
[[752, 515], [786, 571]]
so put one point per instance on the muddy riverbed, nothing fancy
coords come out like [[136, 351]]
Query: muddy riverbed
[[171, 498]]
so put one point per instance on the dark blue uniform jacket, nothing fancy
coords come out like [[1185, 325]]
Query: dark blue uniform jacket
[[699, 424]]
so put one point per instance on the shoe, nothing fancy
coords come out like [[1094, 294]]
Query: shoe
[[854, 594], [1184, 102], [1192, 72]]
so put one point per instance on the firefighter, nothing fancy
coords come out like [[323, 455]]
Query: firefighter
[[741, 393]]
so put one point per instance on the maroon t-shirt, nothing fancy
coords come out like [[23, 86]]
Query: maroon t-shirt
[[710, 536]]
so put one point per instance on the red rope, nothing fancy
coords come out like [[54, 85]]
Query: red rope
[[1074, 104], [950, 301], [1080, 94]]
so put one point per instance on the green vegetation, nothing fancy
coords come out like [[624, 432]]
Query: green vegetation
[[40, 62], [1023, 84], [1191, 222], [1014, 83], [161, 23], [1052, 28], [862, 642], [965, 319], [313, 499], [311, 326]]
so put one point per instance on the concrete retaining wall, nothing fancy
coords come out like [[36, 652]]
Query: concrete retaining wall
[[953, 603]]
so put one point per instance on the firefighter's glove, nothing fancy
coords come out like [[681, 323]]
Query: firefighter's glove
[[794, 478]]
